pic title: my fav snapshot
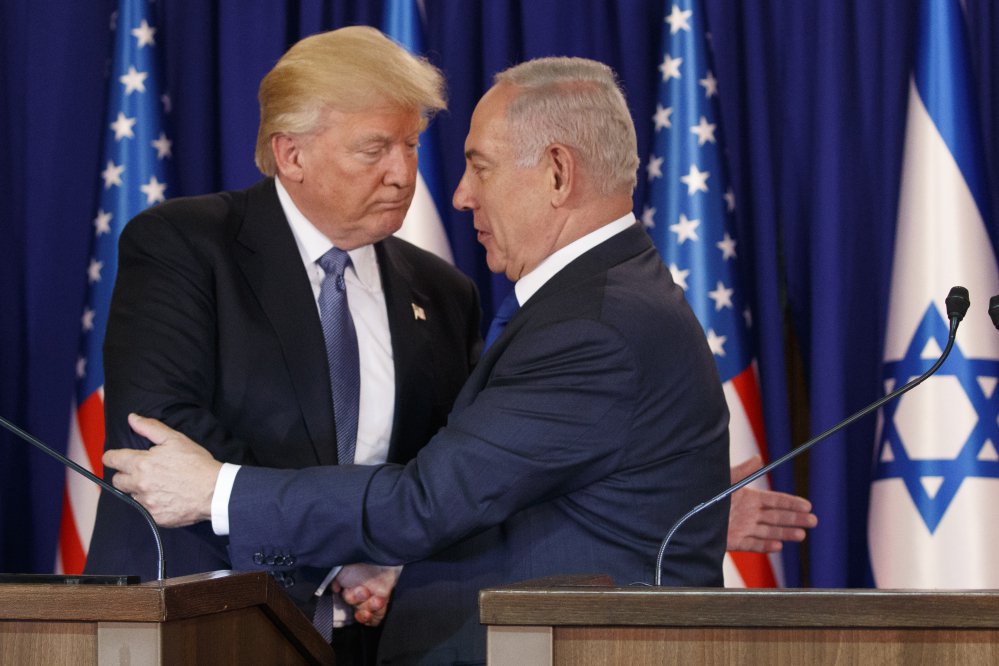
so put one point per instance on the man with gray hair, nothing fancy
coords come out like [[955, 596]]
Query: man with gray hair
[[592, 421], [282, 325]]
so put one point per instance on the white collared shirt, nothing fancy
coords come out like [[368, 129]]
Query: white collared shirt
[[366, 301], [529, 284]]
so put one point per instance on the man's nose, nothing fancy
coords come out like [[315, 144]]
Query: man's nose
[[462, 199]]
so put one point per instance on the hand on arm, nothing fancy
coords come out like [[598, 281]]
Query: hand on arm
[[174, 479], [367, 587], [760, 520]]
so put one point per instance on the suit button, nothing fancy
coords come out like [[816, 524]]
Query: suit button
[[258, 558], [289, 581], [291, 560], [279, 560]]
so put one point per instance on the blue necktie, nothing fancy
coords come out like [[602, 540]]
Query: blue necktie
[[507, 309], [341, 351]]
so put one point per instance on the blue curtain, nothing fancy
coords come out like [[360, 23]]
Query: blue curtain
[[813, 109]]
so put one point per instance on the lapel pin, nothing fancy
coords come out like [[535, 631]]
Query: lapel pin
[[418, 312]]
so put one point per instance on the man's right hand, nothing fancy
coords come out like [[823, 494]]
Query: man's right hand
[[174, 479]]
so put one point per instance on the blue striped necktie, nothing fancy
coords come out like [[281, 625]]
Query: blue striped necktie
[[341, 351], [507, 309]]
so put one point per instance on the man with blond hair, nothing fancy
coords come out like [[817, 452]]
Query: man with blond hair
[[283, 325], [592, 421]]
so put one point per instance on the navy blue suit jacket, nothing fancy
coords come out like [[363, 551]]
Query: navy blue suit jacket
[[214, 329], [585, 431]]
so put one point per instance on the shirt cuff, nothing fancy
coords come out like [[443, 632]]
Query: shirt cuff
[[220, 500]]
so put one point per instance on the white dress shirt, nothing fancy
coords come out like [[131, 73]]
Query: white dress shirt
[[529, 284], [366, 301]]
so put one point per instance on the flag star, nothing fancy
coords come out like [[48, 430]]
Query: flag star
[[729, 197], [81, 367], [102, 223], [122, 127], [163, 146], [670, 67], [649, 217], [154, 190], [727, 246], [716, 342], [134, 80], [112, 174], [685, 229], [696, 180], [88, 319], [747, 314], [704, 130], [661, 118], [679, 277], [722, 296], [94, 271], [710, 84], [654, 167], [678, 20], [145, 34], [166, 102]]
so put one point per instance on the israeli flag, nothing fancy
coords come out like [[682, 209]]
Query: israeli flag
[[423, 226], [933, 520]]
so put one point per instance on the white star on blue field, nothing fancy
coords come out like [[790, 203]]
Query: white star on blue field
[[976, 457]]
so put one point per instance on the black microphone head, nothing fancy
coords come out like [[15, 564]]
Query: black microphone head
[[958, 303], [994, 310]]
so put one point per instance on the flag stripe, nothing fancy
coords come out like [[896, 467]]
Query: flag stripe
[[754, 568], [90, 417], [71, 555], [748, 389]]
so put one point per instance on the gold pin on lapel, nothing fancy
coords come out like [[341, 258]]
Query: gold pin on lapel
[[418, 312]]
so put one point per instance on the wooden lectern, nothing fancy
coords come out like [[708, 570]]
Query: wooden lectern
[[222, 617], [583, 620]]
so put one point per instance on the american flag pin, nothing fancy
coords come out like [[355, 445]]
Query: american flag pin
[[418, 312]]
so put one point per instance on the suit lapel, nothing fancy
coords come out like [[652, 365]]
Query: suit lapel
[[269, 258], [411, 351]]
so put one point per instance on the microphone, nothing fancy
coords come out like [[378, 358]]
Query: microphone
[[957, 305], [7, 425], [994, 310]]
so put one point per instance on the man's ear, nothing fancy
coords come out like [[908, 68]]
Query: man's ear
[[288, 157], [562, 172]]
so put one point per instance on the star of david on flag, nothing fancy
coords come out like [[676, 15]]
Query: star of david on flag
[[933, 522], [135, 173], [689, 215]]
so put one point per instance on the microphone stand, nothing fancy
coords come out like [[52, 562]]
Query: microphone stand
[[160, 574], [957, 305]]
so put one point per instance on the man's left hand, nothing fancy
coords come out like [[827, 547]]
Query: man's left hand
[[174, 479]]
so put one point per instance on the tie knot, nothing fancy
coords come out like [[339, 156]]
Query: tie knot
[[508, 307], [334, 263]]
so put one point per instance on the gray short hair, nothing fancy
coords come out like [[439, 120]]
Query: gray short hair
[[577, 102], [350, 69]]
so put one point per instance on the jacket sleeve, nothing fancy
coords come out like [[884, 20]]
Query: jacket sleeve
[[545, 423]]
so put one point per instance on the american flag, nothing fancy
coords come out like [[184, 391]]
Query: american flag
[[689, 215], [423, 226], [135, 173], [933, 522]]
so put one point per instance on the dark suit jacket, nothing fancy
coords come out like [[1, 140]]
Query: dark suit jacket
[[214, 329], [592, 424]]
